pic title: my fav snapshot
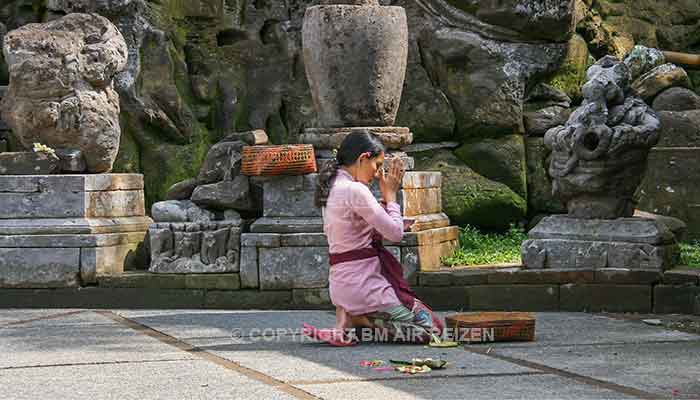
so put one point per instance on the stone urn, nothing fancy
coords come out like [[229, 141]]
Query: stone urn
[[355, 54]]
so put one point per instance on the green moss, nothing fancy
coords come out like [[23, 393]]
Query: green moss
[[569, 80]]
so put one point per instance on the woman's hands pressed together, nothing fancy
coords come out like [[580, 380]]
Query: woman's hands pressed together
[[390, 182]]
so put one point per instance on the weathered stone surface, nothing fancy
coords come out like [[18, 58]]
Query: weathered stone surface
[[248, 299], [330, 138], [39, 267], [191, 247], [428, 221], [213, 281], [680, 128], [28, 163], [501, 160], [658, 80], [675, 225], [559, 276], [609, 298], [260, 240], [676, 99], [251, 138], [223, 162], [421, 201], [293, 267], [74, 105], [303, 240], [539, 183], [367, 46], [641, 60], [421, 180], [249, 267], [599, 155], [181, 190], [286, 197], [428, 257], [71, 160], [104, 260], [669, 186], [571, 75], [670, 299], [312, 298], [539, 121], [419, 147], [514, 297], [117, 203], [469, 198], [581, 254], [235, 194], [145, 280], [445, 298], [179, 211], [454, 277], [107, 182], [682, 277], [627, 276], [287, 225], [630, 230], [71, 240]]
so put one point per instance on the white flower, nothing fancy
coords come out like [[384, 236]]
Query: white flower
[[44, 149]]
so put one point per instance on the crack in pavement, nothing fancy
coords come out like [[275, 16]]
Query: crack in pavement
[[416, 377], [93, 363], [205, 355]]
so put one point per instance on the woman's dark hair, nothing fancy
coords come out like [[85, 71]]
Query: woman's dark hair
[[353, 145]]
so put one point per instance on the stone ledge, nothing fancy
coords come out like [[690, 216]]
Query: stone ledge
[[602, 297], [676, 299], [681, 276]]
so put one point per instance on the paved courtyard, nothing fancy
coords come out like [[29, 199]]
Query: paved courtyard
[[183, 354]]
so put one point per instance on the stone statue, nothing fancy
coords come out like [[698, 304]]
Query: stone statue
[[61, 91], [599, 156]]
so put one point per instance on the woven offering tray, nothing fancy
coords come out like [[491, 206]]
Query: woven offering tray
[[492, 326], [278, 160]]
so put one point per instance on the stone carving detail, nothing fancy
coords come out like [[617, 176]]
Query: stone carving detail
[[61, 91], [191, 247], [599, 156]]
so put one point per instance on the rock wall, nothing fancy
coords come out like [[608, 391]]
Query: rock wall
[[199, 69]]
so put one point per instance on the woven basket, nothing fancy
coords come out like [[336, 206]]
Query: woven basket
[[494, 327], [278, 160]]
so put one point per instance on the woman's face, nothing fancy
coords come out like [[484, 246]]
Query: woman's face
[[368, 168]]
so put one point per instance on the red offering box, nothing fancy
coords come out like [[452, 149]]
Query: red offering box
[[278, 160], [491, 326]]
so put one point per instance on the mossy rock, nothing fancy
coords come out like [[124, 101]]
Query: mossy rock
[[469, 198], [572, 74], [539, 184], [501, 160]]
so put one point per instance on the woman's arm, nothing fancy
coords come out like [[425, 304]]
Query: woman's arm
[[389, 222]]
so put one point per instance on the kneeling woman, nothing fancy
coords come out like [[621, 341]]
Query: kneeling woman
[[366, 282]]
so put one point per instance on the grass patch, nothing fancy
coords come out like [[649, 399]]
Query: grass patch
[[690, 254], [479, 248]]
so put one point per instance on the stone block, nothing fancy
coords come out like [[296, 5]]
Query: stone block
[[670, 299], [121, 203], [293, 267], [103, 297], [430, 255], [514, 298], [260, 240], [251, 138], [287, 225], [39, 267], [143, 280], [108, 260], [456, 277], [421, 201], [249, 268], [110, 182], [213, 281], [27, 163], [248, 299], [682, 277], [429, 221], [289, 204], [421, 180], [71, 161], [70, 240], [73, 226], [303, 240], [445, 298], [431, 236], [605, 298], [312, 298], [553, 276], [627, 276], [393, 137], [42, 204], [627, 230]]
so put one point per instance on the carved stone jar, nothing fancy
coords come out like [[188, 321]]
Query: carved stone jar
[[355, 56]]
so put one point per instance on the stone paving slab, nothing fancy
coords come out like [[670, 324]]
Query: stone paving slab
[[659, 368], [14, 316], [184, 379], [81, 338], [472, 388]]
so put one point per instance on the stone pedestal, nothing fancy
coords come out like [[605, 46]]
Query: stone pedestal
[[286, 248], [65, 230], [563, 242]]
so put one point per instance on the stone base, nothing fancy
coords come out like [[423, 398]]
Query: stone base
[[565, 242], [192, 247], [271, 261], [393, 137], [66, 230]]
